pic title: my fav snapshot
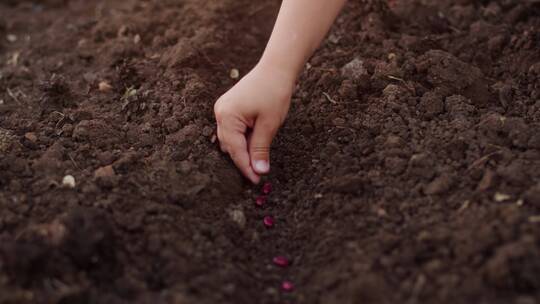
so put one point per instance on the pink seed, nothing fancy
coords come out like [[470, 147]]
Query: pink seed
[[260, 200], [269, 221], [281, 261], [287, 286], [267, 188]]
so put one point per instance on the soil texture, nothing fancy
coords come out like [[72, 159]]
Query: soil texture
[[408, 170]]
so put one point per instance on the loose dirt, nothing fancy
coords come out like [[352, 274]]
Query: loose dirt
[[408, 170]]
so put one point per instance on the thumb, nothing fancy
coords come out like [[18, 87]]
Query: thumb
[[259, 146]]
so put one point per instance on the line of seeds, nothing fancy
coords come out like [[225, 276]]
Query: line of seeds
[[269, 222]]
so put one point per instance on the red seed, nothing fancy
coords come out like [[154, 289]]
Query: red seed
[[281, 261], [267, 188], [287, 286], [260, 200], [269, 221]]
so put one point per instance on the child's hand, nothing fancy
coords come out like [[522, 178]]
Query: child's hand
[[249, 115]]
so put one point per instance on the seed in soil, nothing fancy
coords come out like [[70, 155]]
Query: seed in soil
[[287, 286], [281, 261], [267, 188], [260, 200], [269, 221]]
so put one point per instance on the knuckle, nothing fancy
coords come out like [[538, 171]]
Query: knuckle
[[260, 149], [223, 115], [269, 126], [217, 113], [218, 108]]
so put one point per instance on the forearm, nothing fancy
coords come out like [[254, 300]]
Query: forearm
[[299, 30]]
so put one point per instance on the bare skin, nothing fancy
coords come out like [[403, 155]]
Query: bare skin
[[249, 115]]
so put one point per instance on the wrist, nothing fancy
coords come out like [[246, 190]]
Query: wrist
[[287, 75]]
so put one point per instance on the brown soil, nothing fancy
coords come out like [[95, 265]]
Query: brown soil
[[408, 170]]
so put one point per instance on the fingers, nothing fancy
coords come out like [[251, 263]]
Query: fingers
[[259, 146], [238, 151], [220, 136], [234, 143]]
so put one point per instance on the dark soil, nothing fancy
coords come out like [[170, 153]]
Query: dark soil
[[408, 170]]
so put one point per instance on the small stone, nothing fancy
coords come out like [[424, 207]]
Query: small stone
[[501, 197], [81, 42], [281, 261], [30, 141], [234, 73], [207, 131], [104, 86], [137, 39], [11, 38], [30, 136], [333, 38], [268, 221], [104, 172], [238, 217], [287, 286], [68, 181], [354, 70]]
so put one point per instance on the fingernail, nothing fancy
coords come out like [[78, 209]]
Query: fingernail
[[261, 166]]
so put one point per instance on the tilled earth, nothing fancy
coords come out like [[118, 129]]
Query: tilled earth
[[408, 170]]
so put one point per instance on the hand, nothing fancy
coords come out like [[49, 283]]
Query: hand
[[249, 115]]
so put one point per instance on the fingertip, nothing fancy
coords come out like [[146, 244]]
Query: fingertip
[[261, 166], [253, 176], [256, 180]]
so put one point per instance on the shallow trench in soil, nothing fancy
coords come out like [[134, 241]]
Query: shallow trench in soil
[[407, 169]]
